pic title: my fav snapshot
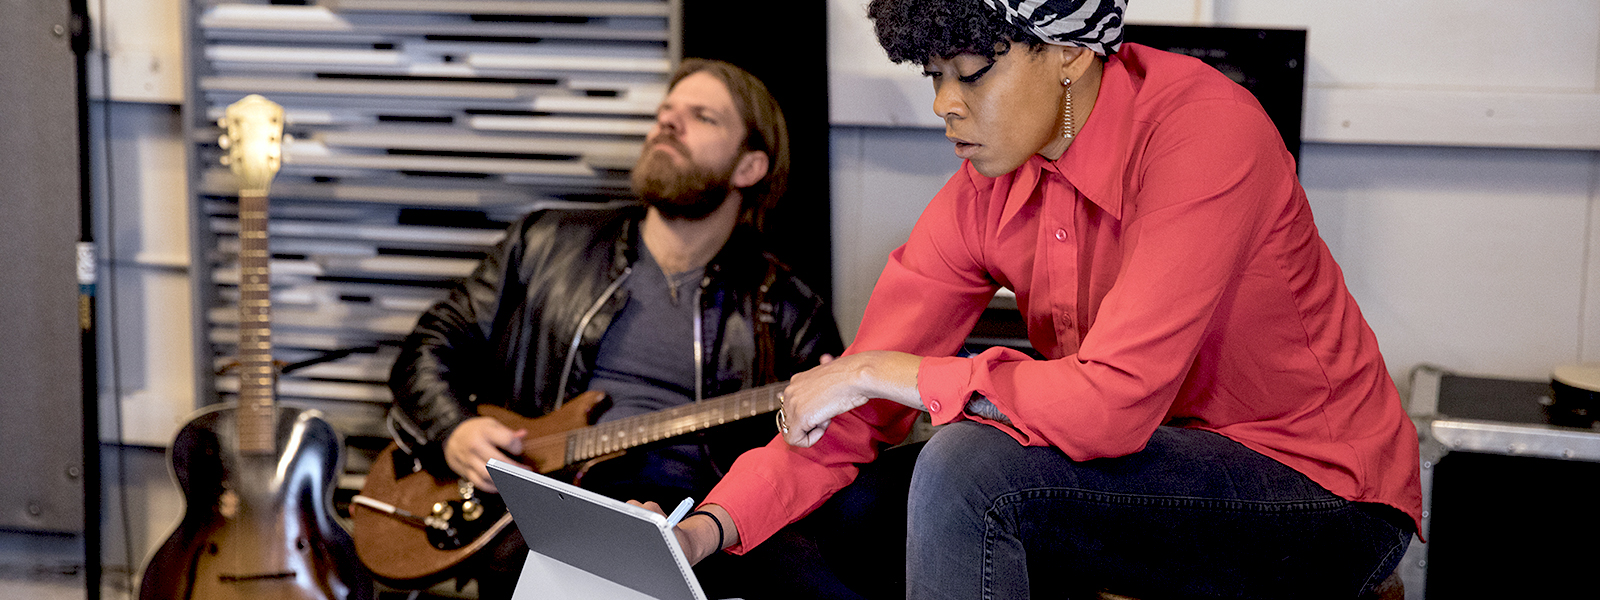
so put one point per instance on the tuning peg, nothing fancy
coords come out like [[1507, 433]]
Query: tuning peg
[[223, 122], [226, 160], [288, 138], [224, 141]]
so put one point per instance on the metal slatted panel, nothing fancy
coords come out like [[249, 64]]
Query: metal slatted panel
[[420, 129]]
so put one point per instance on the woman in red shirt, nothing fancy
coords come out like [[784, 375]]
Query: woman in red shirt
[[1211, 416]]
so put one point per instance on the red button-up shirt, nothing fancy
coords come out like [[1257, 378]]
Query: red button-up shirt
[[1169, 270]]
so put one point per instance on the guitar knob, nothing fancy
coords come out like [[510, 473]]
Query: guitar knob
[[442, 511], [471, 510]]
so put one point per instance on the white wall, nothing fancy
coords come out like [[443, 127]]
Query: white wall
[[1476, 260], [141, 223], [141, 220], [882, 179], [1463, 252], [1433, 72], [142, 230]]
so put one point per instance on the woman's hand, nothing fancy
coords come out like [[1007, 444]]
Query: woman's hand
[[697, 535], [815, 397], [474, 442]]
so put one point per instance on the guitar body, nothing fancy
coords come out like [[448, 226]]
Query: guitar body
[[257, 525], [413, 528], [406, 556]]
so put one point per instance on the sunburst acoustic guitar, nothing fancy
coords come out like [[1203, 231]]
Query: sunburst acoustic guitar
[[257, 477]]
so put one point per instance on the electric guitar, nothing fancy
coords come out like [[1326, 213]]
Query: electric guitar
[[412, 528], [257, 478]]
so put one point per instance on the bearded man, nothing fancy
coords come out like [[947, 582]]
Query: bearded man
[[657, 304]]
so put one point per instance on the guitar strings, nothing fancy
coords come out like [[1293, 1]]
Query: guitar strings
[[593, 439]]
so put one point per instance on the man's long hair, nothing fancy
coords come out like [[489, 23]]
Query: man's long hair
[[766, 131]]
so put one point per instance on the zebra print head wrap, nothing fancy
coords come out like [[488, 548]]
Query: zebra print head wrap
[[1092, 24]]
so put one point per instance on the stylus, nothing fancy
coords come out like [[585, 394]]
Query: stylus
[[679, 512]]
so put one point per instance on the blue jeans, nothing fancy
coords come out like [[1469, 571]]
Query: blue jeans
[[1193, 515]]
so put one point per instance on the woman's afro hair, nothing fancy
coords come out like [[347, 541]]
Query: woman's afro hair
[[916, 31]]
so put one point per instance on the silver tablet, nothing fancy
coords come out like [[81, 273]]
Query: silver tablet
[[585, 545]]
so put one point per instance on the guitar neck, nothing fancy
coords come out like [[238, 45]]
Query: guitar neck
[[622, 434], [253, 139], [255, 417]]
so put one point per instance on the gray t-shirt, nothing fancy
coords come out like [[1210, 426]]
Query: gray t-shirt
[[646, 358]]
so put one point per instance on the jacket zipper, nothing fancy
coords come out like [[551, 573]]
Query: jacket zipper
[[583, 323], [699, 349]]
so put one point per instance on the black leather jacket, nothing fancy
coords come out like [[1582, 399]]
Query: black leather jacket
[[524, 329]]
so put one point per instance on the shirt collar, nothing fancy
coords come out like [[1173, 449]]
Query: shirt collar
[[1093, 163]]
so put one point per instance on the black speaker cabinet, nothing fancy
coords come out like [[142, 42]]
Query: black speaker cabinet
[[1513, 497]]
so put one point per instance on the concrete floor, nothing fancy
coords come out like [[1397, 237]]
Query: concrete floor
[[70, 586], [50, 567], [46, 589]]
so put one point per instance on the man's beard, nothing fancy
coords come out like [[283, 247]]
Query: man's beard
[[690, 192]]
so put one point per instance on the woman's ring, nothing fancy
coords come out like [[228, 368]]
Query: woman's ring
[[783, 424]]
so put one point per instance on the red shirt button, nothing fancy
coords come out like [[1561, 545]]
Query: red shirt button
[[1061, 235], [933, 406]]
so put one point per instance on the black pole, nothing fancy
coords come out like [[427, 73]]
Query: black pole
[[86, 307]]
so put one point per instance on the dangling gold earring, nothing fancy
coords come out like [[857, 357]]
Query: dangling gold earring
[[1066, 110]]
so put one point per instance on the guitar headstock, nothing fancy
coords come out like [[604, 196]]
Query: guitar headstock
[[253, 139]]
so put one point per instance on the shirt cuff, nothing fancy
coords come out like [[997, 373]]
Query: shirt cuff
[[749, 501], [945, 383]]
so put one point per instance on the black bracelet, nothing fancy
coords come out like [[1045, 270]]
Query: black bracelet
[[714, 519]]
